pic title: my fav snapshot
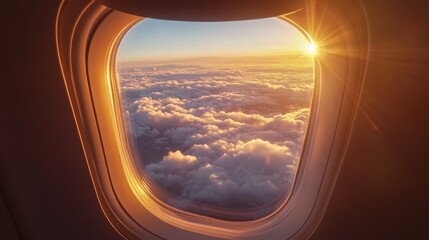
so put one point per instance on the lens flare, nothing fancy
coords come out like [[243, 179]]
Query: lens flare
[[312, 49]]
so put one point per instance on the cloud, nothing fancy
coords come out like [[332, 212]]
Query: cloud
[[222, 138]]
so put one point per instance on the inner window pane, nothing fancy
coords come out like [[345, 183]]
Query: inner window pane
[[217, 111]]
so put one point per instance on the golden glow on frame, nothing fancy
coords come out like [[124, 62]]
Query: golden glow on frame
[[128, 202]]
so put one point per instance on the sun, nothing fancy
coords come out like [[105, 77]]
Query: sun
[[312, 48]]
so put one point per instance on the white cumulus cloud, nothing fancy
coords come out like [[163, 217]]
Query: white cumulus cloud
[[217, 137]]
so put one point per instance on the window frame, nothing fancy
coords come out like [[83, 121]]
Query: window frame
[[88, 36]]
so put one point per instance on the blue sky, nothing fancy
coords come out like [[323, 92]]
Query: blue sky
[[153, 39]]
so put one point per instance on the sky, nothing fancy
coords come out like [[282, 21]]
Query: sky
[[153, 39]]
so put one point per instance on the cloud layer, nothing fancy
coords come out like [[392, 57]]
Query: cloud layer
[[217, 136]]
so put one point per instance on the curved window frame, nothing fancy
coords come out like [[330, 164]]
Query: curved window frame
[[87, 39]]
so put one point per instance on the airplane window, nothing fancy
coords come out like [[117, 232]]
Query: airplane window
[[216, 113]]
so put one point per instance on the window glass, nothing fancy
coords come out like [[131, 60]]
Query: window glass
[[217, 112]]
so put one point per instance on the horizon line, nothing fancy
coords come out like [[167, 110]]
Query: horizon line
[[171, 60]]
